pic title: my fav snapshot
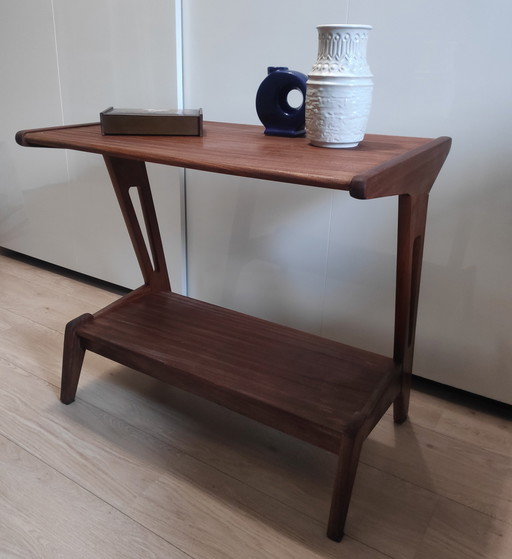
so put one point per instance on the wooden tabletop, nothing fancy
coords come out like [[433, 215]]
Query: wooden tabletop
[[244, 150]]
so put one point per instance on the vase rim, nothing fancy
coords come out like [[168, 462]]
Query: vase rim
[[345, 25]]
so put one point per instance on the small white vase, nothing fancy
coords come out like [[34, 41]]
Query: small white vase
[[339, 87]]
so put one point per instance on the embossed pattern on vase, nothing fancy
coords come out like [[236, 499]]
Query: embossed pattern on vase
[[333, 114], [342, 53], [339, 88]]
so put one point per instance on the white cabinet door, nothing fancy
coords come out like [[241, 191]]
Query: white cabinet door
[[33, 186], [440, 71], [324, 262], [64, 63]]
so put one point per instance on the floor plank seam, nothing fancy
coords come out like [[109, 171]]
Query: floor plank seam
[[245, 506], [209, 465], [363, 461], [432, 491], [29, 319], [92, 493], [31, 373]]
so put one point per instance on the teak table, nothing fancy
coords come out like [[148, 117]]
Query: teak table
[[321, 391]]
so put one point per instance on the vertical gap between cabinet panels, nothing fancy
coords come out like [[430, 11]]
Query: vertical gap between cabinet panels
[[59, 80], [180, 102], [178, 19], [66, 154], [57, 62]]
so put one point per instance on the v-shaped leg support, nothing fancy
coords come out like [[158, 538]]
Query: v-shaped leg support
[[125, 175]]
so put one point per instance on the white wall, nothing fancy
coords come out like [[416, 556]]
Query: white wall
[[324, 262], [64, 62]]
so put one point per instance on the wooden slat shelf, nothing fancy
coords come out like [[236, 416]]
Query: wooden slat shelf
[[312, 387], [318, 390]]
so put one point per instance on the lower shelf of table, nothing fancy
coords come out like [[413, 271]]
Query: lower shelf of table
[[310, 387]]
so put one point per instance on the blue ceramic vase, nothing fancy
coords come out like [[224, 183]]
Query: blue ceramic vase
[[272, 103]]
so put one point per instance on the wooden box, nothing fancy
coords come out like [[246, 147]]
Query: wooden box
[[157, 122]]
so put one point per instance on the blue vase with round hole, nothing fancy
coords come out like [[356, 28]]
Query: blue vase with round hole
[[279, 117]]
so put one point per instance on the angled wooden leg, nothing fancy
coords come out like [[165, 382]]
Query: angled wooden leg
[[72, 359], [348, 461], [412, 216], [125, 175]]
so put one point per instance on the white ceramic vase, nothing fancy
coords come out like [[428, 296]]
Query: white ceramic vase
[[339, 87]]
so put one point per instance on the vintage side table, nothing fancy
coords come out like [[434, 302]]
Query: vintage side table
[[321, 391]]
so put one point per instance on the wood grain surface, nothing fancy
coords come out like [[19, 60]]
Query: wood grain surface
[[252, 154]]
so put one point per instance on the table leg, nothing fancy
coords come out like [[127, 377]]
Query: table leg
[[126, 174], [348, 461], [412, 216], [72, 359]]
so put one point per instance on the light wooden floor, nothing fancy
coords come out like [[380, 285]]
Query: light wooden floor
[[135, 469]]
